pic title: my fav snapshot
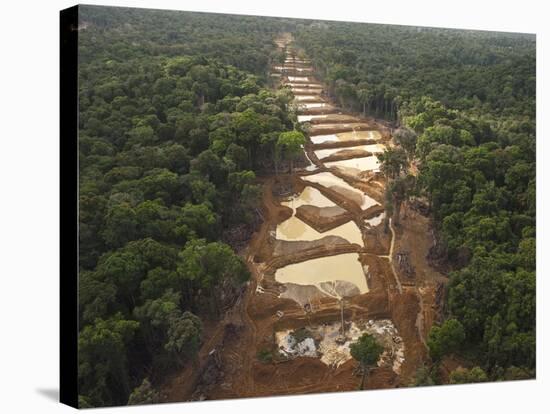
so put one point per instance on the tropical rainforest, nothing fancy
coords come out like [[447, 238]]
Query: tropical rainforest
[[178, 121], [463, 103], [175, 122]]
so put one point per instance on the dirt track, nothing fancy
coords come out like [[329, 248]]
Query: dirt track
[[227, 365]]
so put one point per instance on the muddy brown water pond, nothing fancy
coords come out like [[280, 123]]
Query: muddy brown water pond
[[322, 271], [356, 165], [294, 229], [346, 136], [373, 148], [342, 127], [299, 98], [299, 79], [306, 91], [310, 196], [308, 105], [306, 118]]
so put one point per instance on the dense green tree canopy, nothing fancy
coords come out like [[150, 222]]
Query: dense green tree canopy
[[463, 107], [366, 350], [176, 119]]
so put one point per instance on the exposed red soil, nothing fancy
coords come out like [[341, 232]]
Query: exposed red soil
[[235, 371]]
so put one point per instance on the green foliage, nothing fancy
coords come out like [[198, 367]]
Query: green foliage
[[393, 162], [184, 335], [468, 376], [423, 377], [291, 144], [399, 187], [378, 69], [407, 138], [206, 265], [445, 339], [175, 122], [144, 394], [102, 360], [265, 356], [464, 102], [366, 350], [301, 334]]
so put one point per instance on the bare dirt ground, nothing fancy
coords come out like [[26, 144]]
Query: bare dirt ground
[[228, 365]]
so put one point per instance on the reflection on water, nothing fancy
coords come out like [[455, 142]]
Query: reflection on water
[[345, 267]]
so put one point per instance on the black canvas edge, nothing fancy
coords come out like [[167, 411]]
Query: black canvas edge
[[68, 147]]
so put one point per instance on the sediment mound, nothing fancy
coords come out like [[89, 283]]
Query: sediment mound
[[346, 154], [323, 129], [285, 247], [323, 218]]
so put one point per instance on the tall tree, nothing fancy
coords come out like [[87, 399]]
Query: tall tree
[[291, 142], [366, 350]]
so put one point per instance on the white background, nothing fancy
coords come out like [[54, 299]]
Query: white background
[[29, 206]]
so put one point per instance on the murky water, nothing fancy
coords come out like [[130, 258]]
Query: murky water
[[306, 118], [310, 196], [320, 139], [308, 105], [338, 185], [346, 136], [305, 97], [297, 61], [324, 153], [299, 79], [295, 229], [306, 91], [346, 125], [303, 85], [375, 148], [342, 267], [352, 135], [359, 164]]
